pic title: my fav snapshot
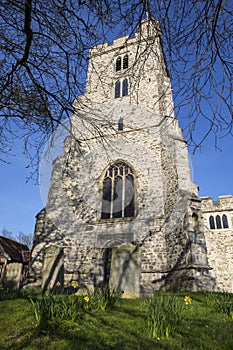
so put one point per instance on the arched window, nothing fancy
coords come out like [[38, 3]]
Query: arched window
[[225, 221], [117, 89], [118, 192], [218, 222], [125, 61], [125, 87], [118, 64], [212, 224], [120, 124]]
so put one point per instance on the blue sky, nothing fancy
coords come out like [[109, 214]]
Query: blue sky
[[212, 170], [19, 201]]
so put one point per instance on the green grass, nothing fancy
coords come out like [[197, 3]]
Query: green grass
[[124, 326]]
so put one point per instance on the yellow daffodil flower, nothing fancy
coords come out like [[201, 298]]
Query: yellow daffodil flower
[[86, 299], [187, 300], [74, 284]]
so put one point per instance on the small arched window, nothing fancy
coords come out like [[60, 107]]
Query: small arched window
[[218, 222], [125, 62], [125, 87], [212, 224], [120, 124], [225, 221], [118, 192], [118, 64], [117, 89]]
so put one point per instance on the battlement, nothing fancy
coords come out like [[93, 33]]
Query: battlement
[[223, 203], [145, 30]]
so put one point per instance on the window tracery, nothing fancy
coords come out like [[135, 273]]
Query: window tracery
[[118, 192]]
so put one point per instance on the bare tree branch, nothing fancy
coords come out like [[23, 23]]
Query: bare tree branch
[[44, 48]]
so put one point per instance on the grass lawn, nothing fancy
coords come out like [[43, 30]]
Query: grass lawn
[[124, 326]]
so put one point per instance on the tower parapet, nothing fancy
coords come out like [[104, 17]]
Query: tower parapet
[[223, 203], [132, 70]]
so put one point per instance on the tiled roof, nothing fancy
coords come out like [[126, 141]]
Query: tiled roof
[[13, 250]]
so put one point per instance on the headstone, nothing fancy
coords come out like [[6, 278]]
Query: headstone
[[52, 271], [13, 275], [125, 270]]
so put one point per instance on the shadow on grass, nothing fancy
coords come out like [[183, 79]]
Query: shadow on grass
[[123, 327]]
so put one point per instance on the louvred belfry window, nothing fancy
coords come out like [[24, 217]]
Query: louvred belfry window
[[118, 192], [118, 64], [125, 61], [122, 63]]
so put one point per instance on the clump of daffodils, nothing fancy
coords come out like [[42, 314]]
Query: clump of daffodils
[[187, 300]]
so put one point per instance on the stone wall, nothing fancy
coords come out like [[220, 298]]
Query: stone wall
[[149, 83], [220, 241], [151, 143]]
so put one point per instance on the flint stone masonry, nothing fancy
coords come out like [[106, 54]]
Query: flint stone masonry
[[163, 245], [219, 241]]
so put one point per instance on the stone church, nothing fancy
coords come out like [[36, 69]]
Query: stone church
[[122, 208]]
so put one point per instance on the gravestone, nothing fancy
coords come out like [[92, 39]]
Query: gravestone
[[125, 270], [13, 275], [52, 271]]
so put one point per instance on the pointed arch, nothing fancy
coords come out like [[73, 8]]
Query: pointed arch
[[211, 222], [225, 221], [117, 89], [125, 87], [125, 61], [218, 222], [120, 124], [118, 64], [118, 191]]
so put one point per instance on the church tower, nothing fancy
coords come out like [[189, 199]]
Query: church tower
[[122, 208]]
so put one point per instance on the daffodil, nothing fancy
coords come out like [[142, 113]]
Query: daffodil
[[74, 284], [66, 282], [187, 300], [58, 284], [86, 299]]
